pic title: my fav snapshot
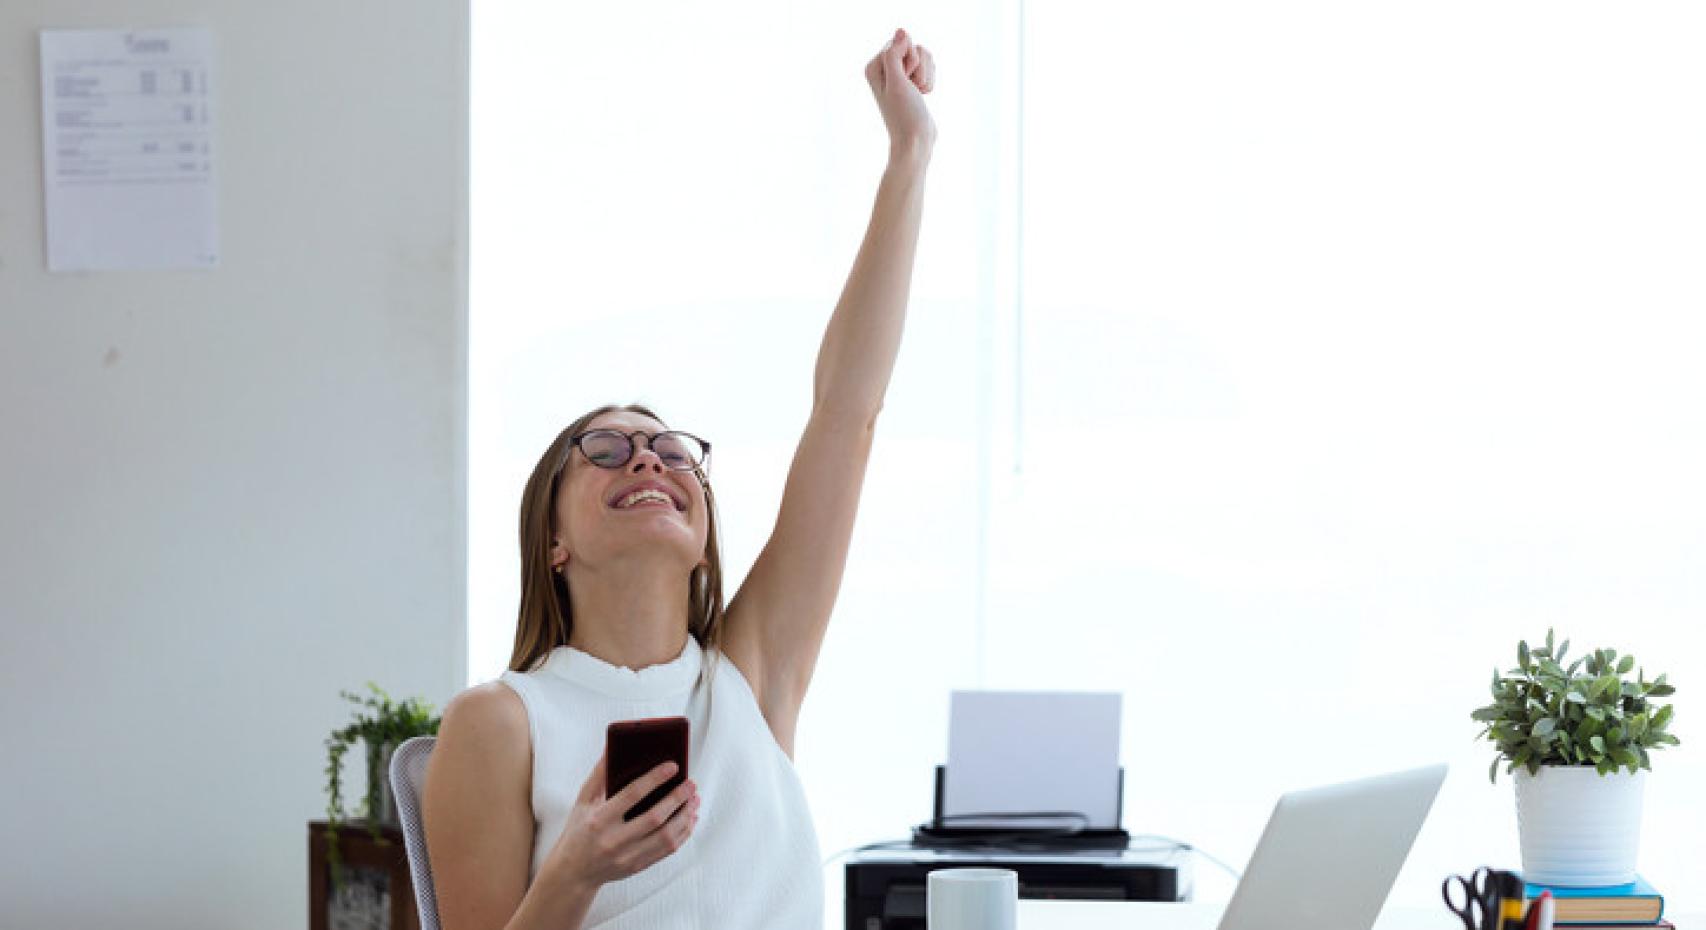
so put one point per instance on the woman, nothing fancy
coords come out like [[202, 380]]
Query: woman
[[622, 617]]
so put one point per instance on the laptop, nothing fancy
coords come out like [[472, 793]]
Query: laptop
[[1329, 855]]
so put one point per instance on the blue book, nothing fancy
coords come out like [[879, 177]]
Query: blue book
[[1635, 903]]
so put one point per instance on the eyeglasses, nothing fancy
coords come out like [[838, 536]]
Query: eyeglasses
[[608, 448]]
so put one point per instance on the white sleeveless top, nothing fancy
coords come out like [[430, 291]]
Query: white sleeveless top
[[752, 861]]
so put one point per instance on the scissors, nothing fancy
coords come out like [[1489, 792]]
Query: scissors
[[1478, 910]]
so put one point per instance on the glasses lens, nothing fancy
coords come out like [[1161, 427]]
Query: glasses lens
[[605, 448], [678, 450]]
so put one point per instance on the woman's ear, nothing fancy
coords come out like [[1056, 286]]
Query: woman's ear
[[559, 555]]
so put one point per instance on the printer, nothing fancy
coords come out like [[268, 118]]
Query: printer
[[885, 888], [885, 883]]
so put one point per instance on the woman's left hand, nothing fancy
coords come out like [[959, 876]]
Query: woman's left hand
[[901, 74]]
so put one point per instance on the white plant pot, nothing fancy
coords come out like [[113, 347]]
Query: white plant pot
[[1578, 827]]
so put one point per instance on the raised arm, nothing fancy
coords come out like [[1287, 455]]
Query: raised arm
[[859, 347], [776, 622]]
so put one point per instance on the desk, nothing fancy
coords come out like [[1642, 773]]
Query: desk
[[1147, 915]]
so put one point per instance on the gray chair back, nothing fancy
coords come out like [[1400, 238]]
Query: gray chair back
[[408, 774]]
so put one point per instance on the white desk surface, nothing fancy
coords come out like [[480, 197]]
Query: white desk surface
[[1149, 915], [1155, 915]]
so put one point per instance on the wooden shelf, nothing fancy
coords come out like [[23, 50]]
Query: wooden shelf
[[374, 870]]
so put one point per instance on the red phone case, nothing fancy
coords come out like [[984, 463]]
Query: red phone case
[[635, 747]]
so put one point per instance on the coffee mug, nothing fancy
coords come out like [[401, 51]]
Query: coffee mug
[[972, 899]]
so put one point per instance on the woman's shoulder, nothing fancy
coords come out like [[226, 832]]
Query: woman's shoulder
[[726, 666], [476, 802], [484, 715]]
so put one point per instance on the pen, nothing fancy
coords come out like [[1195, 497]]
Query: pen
[[1506, 891], [1510, 914], [1547, 909]]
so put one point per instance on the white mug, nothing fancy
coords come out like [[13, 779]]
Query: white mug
[[972, 899]]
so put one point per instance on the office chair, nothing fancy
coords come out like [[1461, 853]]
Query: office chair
[[408, 773]]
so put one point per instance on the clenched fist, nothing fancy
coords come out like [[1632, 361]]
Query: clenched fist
[[901, 74]]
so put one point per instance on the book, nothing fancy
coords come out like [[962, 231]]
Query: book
[[1620, 905], [1661, 925]]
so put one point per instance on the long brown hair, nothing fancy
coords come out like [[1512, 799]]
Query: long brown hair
[[546, 618]]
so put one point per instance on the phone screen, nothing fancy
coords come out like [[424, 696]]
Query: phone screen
[[635, 747]]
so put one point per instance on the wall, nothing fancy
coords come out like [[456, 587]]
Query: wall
[[227, 495]]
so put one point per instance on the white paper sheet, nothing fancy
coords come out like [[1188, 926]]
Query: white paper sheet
[[1012, 751], [128, 149]]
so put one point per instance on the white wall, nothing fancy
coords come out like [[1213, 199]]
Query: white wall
[[227, 495]]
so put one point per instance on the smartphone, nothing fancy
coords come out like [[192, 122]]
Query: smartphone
[[635, 747]]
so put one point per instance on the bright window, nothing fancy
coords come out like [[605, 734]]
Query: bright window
[[1277, 366]]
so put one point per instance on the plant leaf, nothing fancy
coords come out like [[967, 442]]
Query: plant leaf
[[1662, 718]]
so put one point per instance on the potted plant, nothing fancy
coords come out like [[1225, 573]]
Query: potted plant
[[1576, 738], [382, 725]]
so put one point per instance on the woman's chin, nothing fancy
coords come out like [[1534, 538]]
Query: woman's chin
[[660, 537]]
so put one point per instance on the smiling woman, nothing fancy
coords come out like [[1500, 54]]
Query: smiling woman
[[622, 617], [572, 539]]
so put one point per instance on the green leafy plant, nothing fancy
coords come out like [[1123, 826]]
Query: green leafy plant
[[1586, 713], [379, 722]]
